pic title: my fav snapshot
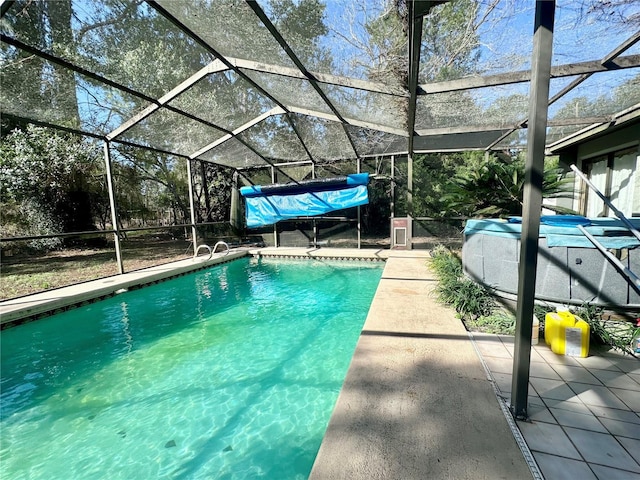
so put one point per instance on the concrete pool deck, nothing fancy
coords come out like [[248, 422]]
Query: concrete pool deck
[[60, 299], [416, 402]]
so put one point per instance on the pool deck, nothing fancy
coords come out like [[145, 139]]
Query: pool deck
[[416, 402], [60, 299], [423, 398]]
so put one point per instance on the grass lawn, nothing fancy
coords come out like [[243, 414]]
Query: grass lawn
[[26, 274]]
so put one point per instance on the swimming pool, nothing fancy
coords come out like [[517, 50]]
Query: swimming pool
[[230, 372]]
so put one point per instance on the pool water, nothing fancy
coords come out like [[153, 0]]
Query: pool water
[[231, 372]]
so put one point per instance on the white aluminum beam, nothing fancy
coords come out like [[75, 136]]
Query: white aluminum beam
[[240, 129], [326, 78], [213, 67], [350, 121]]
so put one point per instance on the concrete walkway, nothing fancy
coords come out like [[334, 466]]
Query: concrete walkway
[[416, 402]]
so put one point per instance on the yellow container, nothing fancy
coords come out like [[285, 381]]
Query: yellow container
[[580, 344], [567, 335], [552, 321], [562, 321]]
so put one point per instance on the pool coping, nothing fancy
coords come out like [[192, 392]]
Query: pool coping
[[32, 307]]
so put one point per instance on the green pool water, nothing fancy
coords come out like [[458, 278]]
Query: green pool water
[[227, 373]]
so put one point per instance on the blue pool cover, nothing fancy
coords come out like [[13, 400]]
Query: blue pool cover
[[562, 231], [266, 205]]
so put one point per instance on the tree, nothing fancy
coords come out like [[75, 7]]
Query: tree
[[303, 23], [450, 40], [31, 83], [49, 183], [431, 173], [212, 191], [623, 15], [493, 185], [148, 182]]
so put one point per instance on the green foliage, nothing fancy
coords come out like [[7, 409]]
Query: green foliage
[[385, 47], [450, 41], [616, 334], [27, 218], [470, 299], [375, 215], [148, 182], [49, 183], [431, 174], [44, 165], [445, 263], [212, 191], [500, 322], [485, 186], [40, 85], [625, 94], [490, 185], [302, 20]]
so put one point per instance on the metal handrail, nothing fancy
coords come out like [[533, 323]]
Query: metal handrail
[[221, 243], [631, 278], [212, 250], [195, 255]]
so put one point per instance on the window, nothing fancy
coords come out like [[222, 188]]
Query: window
[[616, 176]]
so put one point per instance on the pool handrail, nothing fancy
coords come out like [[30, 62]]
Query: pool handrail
[[221, 243], [212, 250], [203, 246], [631, 278]]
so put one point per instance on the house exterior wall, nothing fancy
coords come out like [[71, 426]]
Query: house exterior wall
[[612, 163]]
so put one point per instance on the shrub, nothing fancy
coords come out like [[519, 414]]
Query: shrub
[[470, 299], [500, 322], [29, 219], [479, 311], [616, 334]]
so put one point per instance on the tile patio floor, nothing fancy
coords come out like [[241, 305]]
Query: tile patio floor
[[584, 412]]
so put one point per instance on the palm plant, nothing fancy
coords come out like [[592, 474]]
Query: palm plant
[[490, 186]]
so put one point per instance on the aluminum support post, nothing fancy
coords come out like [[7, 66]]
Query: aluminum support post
[[359, 167], [275, 225], [409, 184], [112, 206], [393, 186], [192, 209], [536, 138]]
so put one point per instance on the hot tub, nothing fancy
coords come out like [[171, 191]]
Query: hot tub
[[570, 269]]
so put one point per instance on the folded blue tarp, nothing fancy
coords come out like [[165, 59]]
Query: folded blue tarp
[[266, 205]]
